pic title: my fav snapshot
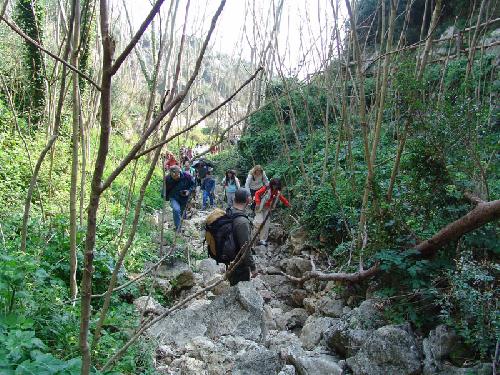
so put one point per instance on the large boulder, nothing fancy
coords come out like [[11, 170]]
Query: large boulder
[[314, 330], [316, 364], [237, 313], [349, 332], [444, 353], [390, 350], [437, 346]]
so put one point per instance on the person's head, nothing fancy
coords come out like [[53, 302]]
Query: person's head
[[187, 165], [175, 172], [241, 198], [257, 171], [230, 174], [275, 184], [209, 172]]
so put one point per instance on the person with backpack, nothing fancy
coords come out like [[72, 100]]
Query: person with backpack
[[201, 172], [265, 201], [226, 235], [177, 187], [208, 188], [231, 183], [256, 179]]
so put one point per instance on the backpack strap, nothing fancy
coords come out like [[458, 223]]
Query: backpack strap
[[234, 216]]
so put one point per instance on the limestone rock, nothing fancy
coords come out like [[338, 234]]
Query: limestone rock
[[287, 370], [310, 304], [208, 269], [277, 234], [280, 286], [148, 304], [390, 350], [330, 306], [314, 329], [257, 362], [344, 341], [298, 239], [238, 313], [437, 346], [285, 342], [292, 319], [296, 266], [184, 280], [318, 364]]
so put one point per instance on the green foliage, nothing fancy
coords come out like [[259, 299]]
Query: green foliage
[[450, 136], [21, 352], [29, 16], [471, 302]]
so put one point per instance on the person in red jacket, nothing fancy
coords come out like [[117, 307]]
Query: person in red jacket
[[170, 161], [266, 199]]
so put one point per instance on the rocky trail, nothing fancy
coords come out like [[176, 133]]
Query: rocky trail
[[269, 325]]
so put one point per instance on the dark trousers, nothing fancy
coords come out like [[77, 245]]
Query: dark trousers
[[239, 274]]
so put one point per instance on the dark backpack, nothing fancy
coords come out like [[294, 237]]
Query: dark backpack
[[219, 235], [202, 171]]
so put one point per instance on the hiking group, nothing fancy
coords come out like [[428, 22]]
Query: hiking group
[[228, 231]]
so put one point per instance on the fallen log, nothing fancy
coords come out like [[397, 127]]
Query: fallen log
[[484, 213]]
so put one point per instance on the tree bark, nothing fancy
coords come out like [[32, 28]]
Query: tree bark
[[482, 214], [95, 193], [74, 157]]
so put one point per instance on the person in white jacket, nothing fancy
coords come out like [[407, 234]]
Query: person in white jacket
[[255, 180]]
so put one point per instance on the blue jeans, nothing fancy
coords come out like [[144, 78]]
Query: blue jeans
[[206, 195], [177, 210]]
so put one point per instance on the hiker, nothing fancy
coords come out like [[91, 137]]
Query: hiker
[[226, 233], [241, 228], [208, 188], [265, 201], [187, 168], [231, 184], [256, 179], [169, 161], [177, 188], [201, 172]]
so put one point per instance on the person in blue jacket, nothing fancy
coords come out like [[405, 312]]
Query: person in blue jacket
[[177, 188], [208, 187]]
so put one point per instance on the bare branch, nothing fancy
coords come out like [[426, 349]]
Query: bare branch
[[209, 113], [120, 59], [21, 33]]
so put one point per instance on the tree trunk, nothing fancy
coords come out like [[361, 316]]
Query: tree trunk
[[95, 192], [74, 159], [482, 214]]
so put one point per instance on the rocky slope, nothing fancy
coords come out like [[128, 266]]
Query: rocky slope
[[271, 326]]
